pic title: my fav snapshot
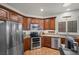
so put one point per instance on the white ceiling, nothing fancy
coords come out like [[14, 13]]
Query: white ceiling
[[33, 9]]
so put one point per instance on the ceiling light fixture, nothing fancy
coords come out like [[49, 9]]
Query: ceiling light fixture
[[66, 4], [68, 9], [42, 10]]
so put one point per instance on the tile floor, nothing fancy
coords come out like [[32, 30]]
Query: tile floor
[[42, 51]]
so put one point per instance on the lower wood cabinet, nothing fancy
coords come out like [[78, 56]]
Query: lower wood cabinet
[[27, 44], [46, 41], [63, 40], [77, 40]]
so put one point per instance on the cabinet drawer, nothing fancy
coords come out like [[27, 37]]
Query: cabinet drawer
[[48, 45]]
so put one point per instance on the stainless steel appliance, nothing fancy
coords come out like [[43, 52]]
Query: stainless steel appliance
[[35, 40], [11, 38], [55, 42]]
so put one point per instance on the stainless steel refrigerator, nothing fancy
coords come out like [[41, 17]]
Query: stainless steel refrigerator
[[11, 38]]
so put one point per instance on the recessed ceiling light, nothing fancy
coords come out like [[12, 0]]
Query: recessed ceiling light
[[66, 4], [68, 9], [42, 10]]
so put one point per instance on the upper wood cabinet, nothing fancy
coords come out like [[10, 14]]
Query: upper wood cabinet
[[46, 24], [20, 19], [34, 21], [52, 23], [38, 21], [13, 16], [4, 14], [49, 24], [25, 23]]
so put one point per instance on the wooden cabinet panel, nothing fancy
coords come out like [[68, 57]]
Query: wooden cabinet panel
[[25, 23], [27, 44], [35, 21], [77, 40], [20, 19], [52, 23], [40, 22], [42, 41], [14, 17], [46, 24], [46, 41], [4, 14], [63, 40]]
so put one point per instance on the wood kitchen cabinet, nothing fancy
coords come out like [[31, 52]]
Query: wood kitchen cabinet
[[46, 41], [34, 21], [20, 19], [63, 40], [7, 14], [27, 44], [13, 16], [38, 21], [4, 14], [25, 23], [49, 24], [46, 24], [77, 40], [52, 23]]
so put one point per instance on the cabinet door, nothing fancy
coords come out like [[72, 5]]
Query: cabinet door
[[25, 23], [77, 40], [20, 18], [52, 24], [27, 44], [42, 42], [4, 14], [46, 24], [63, 40], [14, 16], [62, 26], [46, 42]]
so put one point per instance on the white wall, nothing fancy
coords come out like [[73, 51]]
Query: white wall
[[74, 16]]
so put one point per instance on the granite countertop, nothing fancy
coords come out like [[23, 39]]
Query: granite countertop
[[26, 37], [49, 35], [53, 35]]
